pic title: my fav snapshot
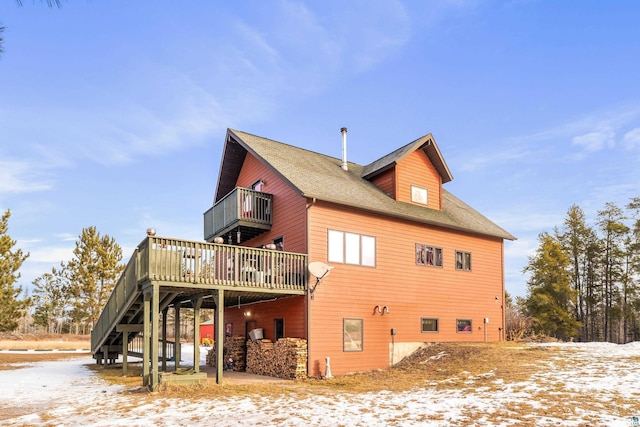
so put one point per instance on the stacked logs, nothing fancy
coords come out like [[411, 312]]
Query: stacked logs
[[287, 358], [235, 348]]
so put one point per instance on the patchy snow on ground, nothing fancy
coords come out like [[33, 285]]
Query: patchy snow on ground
[[602, 379]]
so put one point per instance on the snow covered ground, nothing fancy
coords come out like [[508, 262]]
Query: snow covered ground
[[602, 381]]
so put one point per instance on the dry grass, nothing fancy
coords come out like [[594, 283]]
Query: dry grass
[[44, 342], [16, 344], [438, 365]]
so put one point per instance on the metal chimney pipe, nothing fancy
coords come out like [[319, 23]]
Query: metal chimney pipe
[[344, 149]]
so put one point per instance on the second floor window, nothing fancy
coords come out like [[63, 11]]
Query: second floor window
[[463, 261], [428, 255], [351, 248]]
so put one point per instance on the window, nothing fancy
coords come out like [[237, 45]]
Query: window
[[257, 185], [463, 261], [418, 195], [336, 246], [428, 255], [278, 329], [351, 248], [352, 336], [463, 325], [429, 324]]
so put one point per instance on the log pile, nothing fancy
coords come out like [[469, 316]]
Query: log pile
[[235, 348], [287, 358]]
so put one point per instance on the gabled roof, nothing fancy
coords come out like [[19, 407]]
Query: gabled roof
[[425, 143], [318, 176]]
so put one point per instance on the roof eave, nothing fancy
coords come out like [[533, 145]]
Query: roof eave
[[505, 236]]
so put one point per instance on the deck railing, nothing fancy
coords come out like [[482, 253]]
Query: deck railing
[[136, 348], [123, 292], [200, 263], [241, 204]]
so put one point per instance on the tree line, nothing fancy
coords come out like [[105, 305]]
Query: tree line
[[69, 298], [584, 279]]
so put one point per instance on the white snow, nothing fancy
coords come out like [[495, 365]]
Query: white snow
[[603, 378]]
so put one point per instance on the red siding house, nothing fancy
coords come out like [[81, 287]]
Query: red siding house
[[411, 263]]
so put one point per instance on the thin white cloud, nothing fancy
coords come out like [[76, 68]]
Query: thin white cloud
[[21, 176], [606, 121], [49, 254], [66, 237], [595, 141], [631, 139], [481, 159]]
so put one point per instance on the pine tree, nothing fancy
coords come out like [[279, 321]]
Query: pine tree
[[576, 238], [11, 308], [93, 272], [50, 299], [551, 300], [611, 224]]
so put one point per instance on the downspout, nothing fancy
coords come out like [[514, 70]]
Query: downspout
[[307, 306]]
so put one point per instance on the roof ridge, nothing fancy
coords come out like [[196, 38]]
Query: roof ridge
[[292, 146]]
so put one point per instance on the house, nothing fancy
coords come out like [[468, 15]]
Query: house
[[395, 260], [411, 262]]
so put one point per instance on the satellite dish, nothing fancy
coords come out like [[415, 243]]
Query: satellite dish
[[320, 270]]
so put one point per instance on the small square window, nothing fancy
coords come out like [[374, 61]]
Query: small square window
[[463, 261], [463, 325], [428, 255], [418, 195], [429, 324]]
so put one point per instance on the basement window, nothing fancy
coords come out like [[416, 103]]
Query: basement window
[[352, 334], [429, 324], [463, 326]]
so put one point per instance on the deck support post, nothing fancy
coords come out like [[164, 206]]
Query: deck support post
[[146, 335], [164, 339], [155, 315], [218, 296], [196, 334], [177, 352], [125, 353]]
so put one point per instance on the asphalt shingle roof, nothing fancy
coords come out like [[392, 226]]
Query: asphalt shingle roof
[[319, 176]]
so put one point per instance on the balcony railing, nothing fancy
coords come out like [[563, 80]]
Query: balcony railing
[[204, 263], [242, 208]]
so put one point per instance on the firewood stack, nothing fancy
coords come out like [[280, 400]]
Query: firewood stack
[[234, 347], [286, 359]]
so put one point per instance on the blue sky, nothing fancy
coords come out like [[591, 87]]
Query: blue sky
[[113, 113]]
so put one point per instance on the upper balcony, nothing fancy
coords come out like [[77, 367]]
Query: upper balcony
[[239, 216]]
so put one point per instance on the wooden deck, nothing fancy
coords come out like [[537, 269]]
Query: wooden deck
[[166, 272]]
